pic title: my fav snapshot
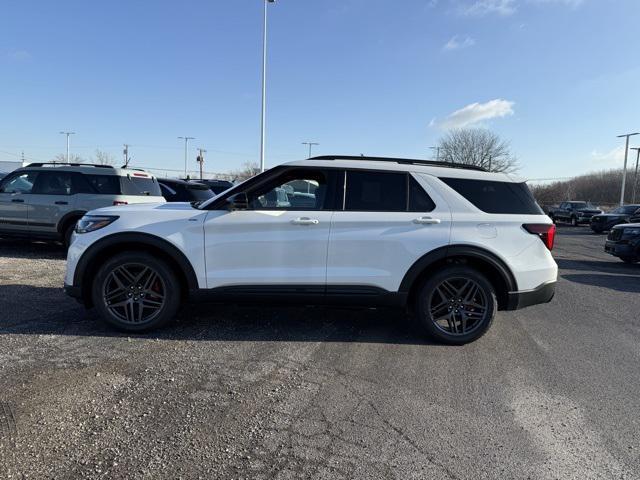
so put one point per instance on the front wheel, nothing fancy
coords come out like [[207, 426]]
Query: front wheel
[[136, 292], [456, 305]]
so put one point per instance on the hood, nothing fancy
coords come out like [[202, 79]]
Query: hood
[[144, 208], [588, 210], [611, 215], [627, 225]]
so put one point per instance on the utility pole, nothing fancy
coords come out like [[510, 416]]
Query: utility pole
[[200, 159], [186, 146], [126, 155], [437, 149], [311, 144], [635, 176], [67, 134], [264, 85], [624, 171]]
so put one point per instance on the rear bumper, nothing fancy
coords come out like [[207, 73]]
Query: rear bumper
[[542, 294]]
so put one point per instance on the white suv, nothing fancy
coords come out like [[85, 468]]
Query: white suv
[[453, 244]]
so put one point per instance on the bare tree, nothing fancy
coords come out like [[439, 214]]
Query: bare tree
[[477, 146], [248, 170], [62, 158], [104, 158]]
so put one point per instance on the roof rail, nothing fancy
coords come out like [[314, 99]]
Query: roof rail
[[62, 164], [409, 161]]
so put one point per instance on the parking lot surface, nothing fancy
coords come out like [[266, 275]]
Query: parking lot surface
[[236, 392]]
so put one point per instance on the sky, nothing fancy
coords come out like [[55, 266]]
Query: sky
[[558, 79]]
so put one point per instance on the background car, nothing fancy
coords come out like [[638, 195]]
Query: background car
[[606, 221], [574, 212], [174, 190], [217, 186], [624, 242], [45, 200]]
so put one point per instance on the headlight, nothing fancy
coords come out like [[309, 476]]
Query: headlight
[[91, 223], [632, 231]]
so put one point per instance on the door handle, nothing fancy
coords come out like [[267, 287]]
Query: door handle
[[305, 221], [426, 221], [18, 200], [62, 203]]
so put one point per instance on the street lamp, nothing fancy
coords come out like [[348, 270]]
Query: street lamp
[[311, 144], [624, 171], [186, 142], [437, 149], [68, 134], [635, 176], [264, 83]]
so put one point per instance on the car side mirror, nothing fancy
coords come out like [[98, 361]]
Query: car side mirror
[[239, 201]]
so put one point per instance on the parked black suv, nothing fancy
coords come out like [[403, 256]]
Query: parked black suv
[[174, 190], [606, 221], [217, 186], [624, 242]]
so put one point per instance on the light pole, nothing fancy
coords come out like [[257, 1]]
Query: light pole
[[186, 146], [200, 159], [635, 176], [68, 134], [437, 149], [264, 83], [311, 144], [624, 171]]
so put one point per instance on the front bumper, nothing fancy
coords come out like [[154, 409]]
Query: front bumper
[[542, 294], [619, 249]]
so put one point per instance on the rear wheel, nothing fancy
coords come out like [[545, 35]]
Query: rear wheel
[[456, 306], [630, 259], [136, 292], [68, 232]]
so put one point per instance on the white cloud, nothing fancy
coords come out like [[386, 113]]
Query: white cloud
[[485, 7], [612, 158], [458, 42], [506, 7], [476, 113], [19, 55]]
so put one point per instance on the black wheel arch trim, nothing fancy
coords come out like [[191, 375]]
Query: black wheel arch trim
[[451, 251], [78, 214], [142, 239]]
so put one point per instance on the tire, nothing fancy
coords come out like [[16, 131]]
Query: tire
[[597, 230], [134, 305], [630, 259], [68, 231], [574, 221], [434, 296]]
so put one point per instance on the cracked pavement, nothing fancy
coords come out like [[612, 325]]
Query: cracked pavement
[[276, 393]]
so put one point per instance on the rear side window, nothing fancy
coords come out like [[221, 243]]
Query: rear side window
[[140, 186], [496, 197], [104, 184], [376, 192], [419, 200]]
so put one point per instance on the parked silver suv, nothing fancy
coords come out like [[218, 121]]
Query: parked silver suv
[[45, 200]]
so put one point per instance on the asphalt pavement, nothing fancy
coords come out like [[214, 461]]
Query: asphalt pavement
[[550, 392]]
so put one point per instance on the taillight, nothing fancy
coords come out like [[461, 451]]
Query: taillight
[[119, 202], [547, 233]]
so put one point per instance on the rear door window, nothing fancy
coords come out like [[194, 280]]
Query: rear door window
[[496, 197], [375, 191], [54, 183]]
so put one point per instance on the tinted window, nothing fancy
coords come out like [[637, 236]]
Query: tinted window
[[104, 184], [496, 197], [376, 192], [21, 183], [294, 190], [419, 200], [132, 185], [53, 183]]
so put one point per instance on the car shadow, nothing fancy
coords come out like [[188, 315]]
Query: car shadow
[[43, 311], [25, 248], [614, 266], [620, 283]]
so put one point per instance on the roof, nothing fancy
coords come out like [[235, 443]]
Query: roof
[[437, 169], [86, 168]]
